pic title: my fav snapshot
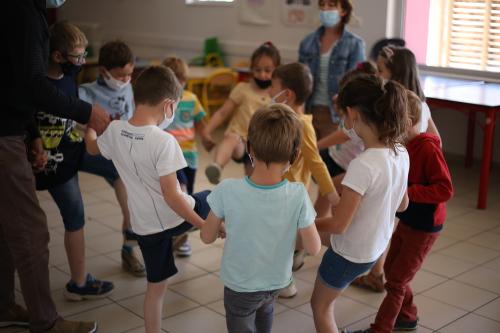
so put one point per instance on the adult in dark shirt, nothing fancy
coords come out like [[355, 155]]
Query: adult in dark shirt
[[24, 234]]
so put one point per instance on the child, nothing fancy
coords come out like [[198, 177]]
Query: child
[[65, 153], [113, 91], [188, 121], [292, 84], [337, 149], [398, 64], [262, 215], [147, 159], [374, 188], [429, 187], [243, 101]]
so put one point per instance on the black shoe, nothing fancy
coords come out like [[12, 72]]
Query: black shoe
[[405, 325], [130, 237]]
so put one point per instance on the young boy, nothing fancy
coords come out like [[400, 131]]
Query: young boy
[[262, 215], [187, 122], [429, 187], [65, 152], [292, 85], [113, 91], [147, 159]]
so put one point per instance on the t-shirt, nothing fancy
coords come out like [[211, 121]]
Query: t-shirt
[[261, 227], [187, 114], [320, 94], [425, 117], [142, 155], [64, 146], [380, 175], [248, 100], [118, 103]]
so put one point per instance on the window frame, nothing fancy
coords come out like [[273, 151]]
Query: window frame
[[211, 3]]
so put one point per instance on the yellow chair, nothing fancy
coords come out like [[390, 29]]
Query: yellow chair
[[216, 88]]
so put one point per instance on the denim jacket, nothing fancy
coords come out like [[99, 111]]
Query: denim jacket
[[346, 54]]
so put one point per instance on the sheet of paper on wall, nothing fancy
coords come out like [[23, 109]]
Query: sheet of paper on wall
[[299, 12], [256, 12]]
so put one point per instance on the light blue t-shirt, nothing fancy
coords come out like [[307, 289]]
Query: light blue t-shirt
[[118, 103], [261, 227]]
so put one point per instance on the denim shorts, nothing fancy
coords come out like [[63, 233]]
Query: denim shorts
[[156, 248], [337, 272]]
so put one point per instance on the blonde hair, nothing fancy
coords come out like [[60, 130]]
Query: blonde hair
[[64, 37], [274, 134], [178, 66]]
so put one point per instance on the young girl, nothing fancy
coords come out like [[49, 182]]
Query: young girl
[[398, 64], [336, 149], [243, 101], [374, 188]]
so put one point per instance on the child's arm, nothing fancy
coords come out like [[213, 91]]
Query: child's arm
[[91, 141], [338, 224], [335, 138], [211, 228], [310, 239], [215, 121], [175, 200]]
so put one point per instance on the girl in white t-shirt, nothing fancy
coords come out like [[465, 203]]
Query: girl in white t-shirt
[[373, 190]]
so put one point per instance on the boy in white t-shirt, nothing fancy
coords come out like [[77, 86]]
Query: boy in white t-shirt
[[147, 159]]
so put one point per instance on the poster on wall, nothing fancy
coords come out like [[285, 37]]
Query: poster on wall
[[256, 12], [299, 12]]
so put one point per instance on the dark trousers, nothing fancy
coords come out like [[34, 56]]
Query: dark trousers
[[24, 237], [407, 252]]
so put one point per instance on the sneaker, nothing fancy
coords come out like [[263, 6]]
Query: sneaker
[[131, 264], [288, 292], [93, 289], [130, 237], [370, 281], [298, 259], [15, 316], [66, 326], [405, 325], [184, 250], [213, 173]]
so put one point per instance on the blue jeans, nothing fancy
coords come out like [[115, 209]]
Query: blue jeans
[[68, 196], [250, 312]]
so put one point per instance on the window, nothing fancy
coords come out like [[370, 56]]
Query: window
[[464, 34], [195, 2]]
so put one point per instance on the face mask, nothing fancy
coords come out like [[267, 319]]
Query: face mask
[[351, 132], [287, 168], [329, 18], [113, 83], [70, 69], [167, 121], [274, 99], [54, 3], [262, 84]]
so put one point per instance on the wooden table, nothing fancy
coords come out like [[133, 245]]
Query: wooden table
[[471, 97]]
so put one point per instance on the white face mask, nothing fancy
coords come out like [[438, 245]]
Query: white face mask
[[350, 132], [287, 168], [113, 83], [168, 121], [54, 3], [275, 97]]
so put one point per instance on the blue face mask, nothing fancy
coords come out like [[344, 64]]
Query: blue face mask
[[329, 18], [54, 3]]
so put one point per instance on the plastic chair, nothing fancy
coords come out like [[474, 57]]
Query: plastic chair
[[217, 87]]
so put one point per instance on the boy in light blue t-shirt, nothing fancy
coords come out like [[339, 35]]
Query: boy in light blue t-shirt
[[261, 215]]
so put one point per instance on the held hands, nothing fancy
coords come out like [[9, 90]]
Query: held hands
[[99, 119], [207, 141], [37, 155]]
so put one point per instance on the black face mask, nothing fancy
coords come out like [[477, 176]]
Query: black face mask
[[262, 84], [70, 69]]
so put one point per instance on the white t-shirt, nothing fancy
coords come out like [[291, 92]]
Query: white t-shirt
[[425, 117], [380, 176], [142, 155]]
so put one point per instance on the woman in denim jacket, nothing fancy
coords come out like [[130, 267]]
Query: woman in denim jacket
[[330, 52]]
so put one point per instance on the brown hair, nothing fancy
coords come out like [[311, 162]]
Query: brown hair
[[274, 134], [178, 66], [403, 66], [414, 107], [296, 77], [115, 54], [382, 106], [267, 49], [155, 84], [64, 37], [346, 6]]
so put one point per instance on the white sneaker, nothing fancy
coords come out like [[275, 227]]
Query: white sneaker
[[288, 292]]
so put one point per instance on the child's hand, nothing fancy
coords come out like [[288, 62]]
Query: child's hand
[[38, 156], [333, 198], [207, 141], [222, 231]]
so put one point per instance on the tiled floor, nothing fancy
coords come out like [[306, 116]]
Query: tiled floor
[[458, 289]]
